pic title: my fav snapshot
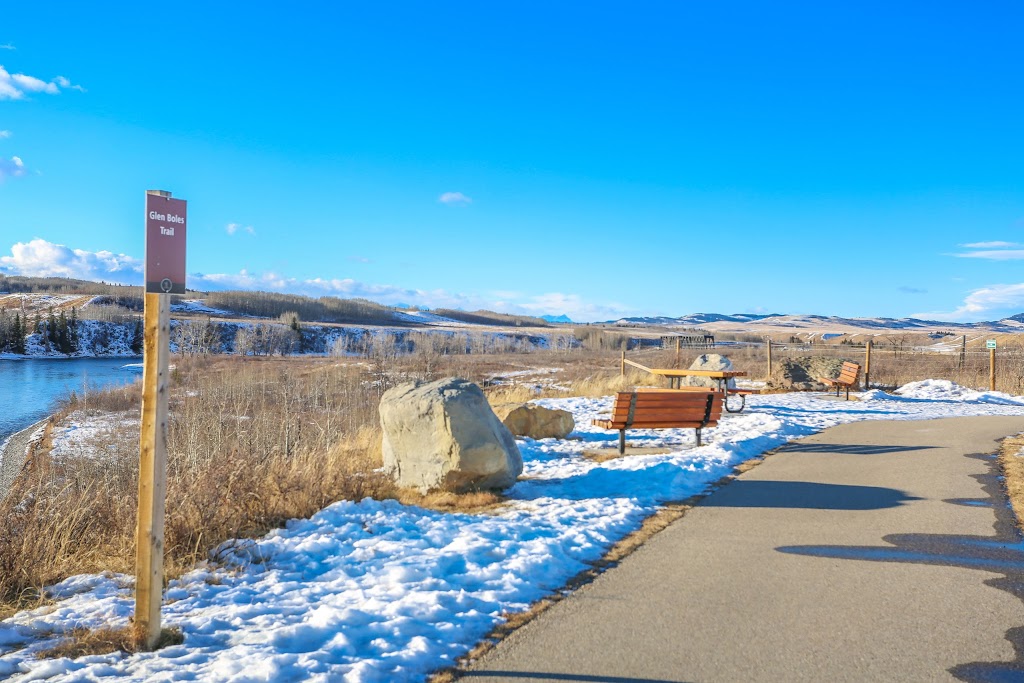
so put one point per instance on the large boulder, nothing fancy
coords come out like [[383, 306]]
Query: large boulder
[[709, 361], [801, 373], [534, 421], [444, 435]]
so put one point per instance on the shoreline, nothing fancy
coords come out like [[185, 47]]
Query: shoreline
[[12, 455]]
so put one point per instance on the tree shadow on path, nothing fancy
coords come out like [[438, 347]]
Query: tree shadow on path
[[1001, 553], [744, 493]]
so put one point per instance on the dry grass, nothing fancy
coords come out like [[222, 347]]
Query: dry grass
[[83, 642], [512, 393], [251, 445], [605, 383], [1012, 463], [442, 501]]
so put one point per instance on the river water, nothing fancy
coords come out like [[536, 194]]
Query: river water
[[29, 388]]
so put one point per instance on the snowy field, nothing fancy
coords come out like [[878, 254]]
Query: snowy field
[[378, 591]]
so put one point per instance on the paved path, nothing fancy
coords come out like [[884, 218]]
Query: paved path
[[12, 456], [877, 551]]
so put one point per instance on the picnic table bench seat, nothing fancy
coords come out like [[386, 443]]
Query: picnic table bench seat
[[663, 409], [847, 378]]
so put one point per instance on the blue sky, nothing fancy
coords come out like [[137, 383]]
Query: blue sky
[[598, 159]]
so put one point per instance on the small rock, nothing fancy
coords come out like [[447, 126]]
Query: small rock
[[534, 421]]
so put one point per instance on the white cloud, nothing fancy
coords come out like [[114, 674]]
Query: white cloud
[[7, 46], [12, 168], [454, 199], [15, 86], [990, 245], [65, 83], [45, 259], [33, 84], [995, 255], [359, 259], [5, 134], [981, 303], [232, 228], [553, 303], [40, 258]]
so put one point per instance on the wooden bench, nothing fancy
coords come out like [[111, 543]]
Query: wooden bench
[[660, 409], [847, 378], [732, 391]]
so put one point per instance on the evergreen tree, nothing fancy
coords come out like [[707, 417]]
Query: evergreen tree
[[138, 337], [73, 330], [63, 335], [18, 343]]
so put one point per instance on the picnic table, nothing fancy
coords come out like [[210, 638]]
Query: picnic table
[[675, 380], [675, 377]]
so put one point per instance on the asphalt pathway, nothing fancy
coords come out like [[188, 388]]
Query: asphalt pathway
[[12, 456], [876, 551]]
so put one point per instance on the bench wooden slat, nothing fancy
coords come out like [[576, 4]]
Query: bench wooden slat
[[667, 416], [663, 410], [608, 424]]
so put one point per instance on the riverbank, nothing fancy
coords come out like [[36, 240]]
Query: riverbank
[[12, 455]]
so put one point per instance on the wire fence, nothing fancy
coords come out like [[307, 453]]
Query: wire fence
[[890, 366]]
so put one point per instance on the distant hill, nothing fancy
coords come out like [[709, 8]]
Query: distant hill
[[778, 322], [693, 319], [557, 318]]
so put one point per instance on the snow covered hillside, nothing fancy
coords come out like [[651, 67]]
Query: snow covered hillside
[[377, 591]]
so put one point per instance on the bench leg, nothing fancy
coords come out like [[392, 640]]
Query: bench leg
[[698, 437], [847, 392], [622, 442]]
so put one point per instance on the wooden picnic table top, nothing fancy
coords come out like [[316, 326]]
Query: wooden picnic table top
[[716, 374]]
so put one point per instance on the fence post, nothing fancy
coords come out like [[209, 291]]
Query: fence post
[[963, 352], [622, 365], [991, 369], [769, 339], [867, 365], [149, 558], [679, 343]]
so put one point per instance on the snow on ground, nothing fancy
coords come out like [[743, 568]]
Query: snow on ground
[[427, 317], [87, 434], [199, 306], [378, 591]]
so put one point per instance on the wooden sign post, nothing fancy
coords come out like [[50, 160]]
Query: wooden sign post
[[165, 273], [990, 344], [867, 365]]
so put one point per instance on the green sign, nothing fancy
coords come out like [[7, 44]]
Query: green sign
[[990, 343]]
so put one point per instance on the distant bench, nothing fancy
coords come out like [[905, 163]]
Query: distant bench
[[846, 379], [659, 409]]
